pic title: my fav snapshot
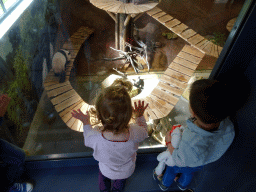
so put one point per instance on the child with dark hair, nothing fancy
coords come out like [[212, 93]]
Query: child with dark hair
[[116, 142], [208, 134]]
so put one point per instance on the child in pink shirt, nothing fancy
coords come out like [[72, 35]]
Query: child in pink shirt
[[115, 144]]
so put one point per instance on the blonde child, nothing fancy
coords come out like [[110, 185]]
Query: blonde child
[[116, 142]]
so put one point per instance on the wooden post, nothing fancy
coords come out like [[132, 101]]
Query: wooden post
[[117, 34], [122, 31]]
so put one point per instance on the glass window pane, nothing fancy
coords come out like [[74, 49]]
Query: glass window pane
[[1, 11], [9, 3], [39, 117]]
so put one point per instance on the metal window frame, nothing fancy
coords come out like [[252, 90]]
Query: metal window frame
[[9, 11]]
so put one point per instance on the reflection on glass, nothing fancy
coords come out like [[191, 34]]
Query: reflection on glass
[[9, 3], [161, 52]]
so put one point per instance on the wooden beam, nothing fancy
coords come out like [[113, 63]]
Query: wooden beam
[[112, 15]]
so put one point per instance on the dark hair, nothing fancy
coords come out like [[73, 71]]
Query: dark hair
[[210, 100], [114, 107]]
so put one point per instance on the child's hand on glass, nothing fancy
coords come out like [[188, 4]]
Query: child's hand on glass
[[139, 109], [85, 118], [4, 101]]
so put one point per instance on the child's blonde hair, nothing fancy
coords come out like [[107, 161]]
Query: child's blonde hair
[[114, 107]]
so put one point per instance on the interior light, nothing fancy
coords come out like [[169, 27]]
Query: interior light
[[13, 16]]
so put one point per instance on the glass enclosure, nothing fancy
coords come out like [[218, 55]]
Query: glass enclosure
[[147, 43]]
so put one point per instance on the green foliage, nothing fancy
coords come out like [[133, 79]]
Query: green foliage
[[170, 35], [21, 82], [218, 39]]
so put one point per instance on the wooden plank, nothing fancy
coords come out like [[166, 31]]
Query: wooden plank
[[129, 8], [164, 111], [165, 18], [185, 63], [158, 15], [165, 96], [172, 23], [148, 111], [169, 88], [50, 87], [188, 57], [70, 108], [122, 8], [214, 51], [203, 45], [187, 34], [207, 49], [154, 109], [179, 28], [177, 75], [71, 121], [114, 9], [195, 39], [219, 49], [58, 91], [193, 51], [162, 102], [65, 104], [76, 126], [68, 115], [181, 69], [174, 82], [50, 83], [154, 11], [63, 97]]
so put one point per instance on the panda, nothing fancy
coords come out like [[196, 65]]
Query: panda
[[59, 64]]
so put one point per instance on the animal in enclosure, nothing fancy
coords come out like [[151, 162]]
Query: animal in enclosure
[[59, 64]]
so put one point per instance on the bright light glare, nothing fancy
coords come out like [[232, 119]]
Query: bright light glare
[[150, 147], [8, 22]]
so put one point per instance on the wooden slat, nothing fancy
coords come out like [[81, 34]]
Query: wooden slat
[[114, 8], [154, 11], [169, 88], [76, 126], [174, 82], [165, 96], [179, 28], [58, 91], [122, 9], [148, 111], [160, 14], [165, 18], [164, 111], [207, 49], [50, 83], [193, 51], [65, 104], [54, 86], [162, 102], [68, 115], [153, 108], [181, 69], [219, 49], [185, 63], [214, 51], [188, 57], [129, 8], [187, 34], [177, 75], [195, 39], [172, 23], [70, 108], [63, 97]]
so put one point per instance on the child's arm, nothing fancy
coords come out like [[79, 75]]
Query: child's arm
[[168, 140], [81, 116], [138, 114]]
